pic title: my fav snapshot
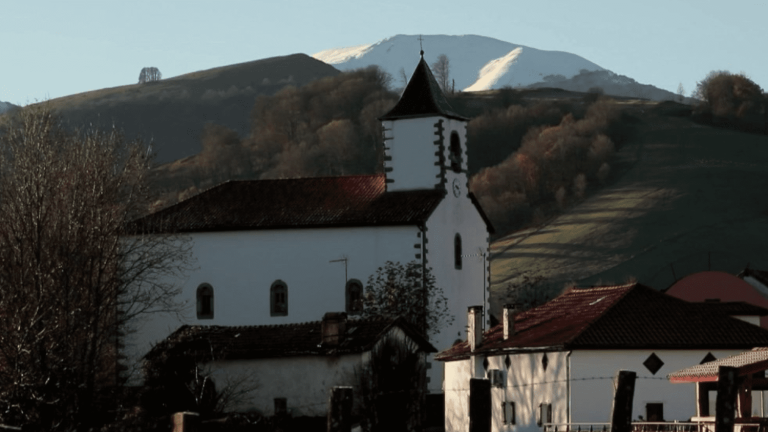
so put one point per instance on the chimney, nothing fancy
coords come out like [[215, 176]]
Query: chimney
[[333, 327], [509, 321], [475, 321]]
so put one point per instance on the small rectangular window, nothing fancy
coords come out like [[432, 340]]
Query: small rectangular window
[[654, 412], [545, 414], [509, 412], [281, 406]]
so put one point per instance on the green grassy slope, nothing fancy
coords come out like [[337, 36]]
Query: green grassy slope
[[692, 199]]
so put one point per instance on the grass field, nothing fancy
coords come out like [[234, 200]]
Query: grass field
[[691, 198]]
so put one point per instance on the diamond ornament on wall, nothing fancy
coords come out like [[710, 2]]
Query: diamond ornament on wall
[[544, 361], [708, 358], [653, 363], [485, 364], [507, 361]]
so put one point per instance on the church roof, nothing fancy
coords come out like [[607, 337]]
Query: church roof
[[283, 340], [631, 316], [422, 98], [292, 203]]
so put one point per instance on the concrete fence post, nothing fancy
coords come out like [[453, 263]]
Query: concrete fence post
[[185, 422], [621, 412], [725, 407]]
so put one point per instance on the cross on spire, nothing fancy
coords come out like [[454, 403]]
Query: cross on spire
[[421, 48]]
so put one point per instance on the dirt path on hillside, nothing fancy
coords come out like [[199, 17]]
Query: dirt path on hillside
[[692, 198]]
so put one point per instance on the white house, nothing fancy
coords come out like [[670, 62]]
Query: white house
[[555, 364], [274, 252], [292, 367]]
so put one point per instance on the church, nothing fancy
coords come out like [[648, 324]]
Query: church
[[275, 252]]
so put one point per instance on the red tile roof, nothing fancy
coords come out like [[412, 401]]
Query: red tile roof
[[288, 203], [286, 340], [748, 362], [617, 317]]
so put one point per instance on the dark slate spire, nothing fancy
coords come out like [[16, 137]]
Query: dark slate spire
[[422, 98]]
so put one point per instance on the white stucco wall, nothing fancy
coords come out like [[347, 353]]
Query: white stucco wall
[[527, 383], [305, 382], [581, 393], [242, 265], [679, 399], [410, 145]]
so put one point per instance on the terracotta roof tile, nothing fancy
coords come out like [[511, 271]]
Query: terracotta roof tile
[[266, 341], [617, 317], [709, 371], [287, 203]]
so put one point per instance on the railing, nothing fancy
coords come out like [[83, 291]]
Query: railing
[[694, 426]]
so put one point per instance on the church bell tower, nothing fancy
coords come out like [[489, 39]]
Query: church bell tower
[[424, 139]]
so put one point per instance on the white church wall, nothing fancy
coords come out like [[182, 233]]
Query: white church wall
[[592, 373], [456, 388], [410, 145], [468, 285], [242, 265]]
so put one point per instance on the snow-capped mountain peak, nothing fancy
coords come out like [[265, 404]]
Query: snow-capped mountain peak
[[476, 62]]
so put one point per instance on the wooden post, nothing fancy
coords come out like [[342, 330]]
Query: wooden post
[[745, 397], [702, 398], [621, 413], [479, 405], [725, 407], [340, 409]]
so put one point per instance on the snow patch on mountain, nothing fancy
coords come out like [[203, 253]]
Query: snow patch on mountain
[[476, 62], [492, 72], [341, 55]]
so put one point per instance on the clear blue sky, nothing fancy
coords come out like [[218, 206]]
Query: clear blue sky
[[50, 49]]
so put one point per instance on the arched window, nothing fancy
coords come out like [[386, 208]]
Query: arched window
[[455, 152], [205, 301], [457, 251], [354, 295], [278, 299]]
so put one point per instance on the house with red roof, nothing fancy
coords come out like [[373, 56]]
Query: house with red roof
[[555, 364], [289, 368], [281, 252], [750, 286]]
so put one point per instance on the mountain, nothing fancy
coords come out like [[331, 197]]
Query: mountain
[[477, 62], [172, 112], [609, 83], [480, 63], [6, 106]]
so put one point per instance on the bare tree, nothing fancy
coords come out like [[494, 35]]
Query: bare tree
[[407, 290], [680, 93], [403, 76], [71, 277], [149, 74], [442, 71]]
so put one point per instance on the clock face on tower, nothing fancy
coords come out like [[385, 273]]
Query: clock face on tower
[[456, 187]]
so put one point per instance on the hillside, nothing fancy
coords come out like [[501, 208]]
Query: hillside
[[172, 112], [6, 106], [688, 200]]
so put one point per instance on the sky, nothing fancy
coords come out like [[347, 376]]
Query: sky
[[50, 49]]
